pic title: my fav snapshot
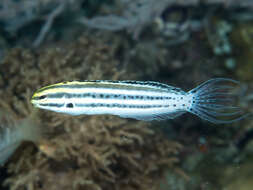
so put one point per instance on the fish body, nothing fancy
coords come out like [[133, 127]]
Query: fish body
[[10, 140], [134, 99], [13, 133]]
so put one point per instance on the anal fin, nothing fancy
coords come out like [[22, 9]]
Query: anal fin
[[159, 117]]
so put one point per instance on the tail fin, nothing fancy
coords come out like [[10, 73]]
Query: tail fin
[[213, 101]]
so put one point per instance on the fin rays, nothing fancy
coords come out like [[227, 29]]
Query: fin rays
[[213, 101]]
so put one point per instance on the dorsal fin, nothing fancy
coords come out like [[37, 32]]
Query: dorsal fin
[[150, 84]]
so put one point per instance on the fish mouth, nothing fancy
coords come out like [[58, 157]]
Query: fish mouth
[[33, 102]]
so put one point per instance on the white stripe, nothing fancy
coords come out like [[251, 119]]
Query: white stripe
[[89, 100], [113, 91]]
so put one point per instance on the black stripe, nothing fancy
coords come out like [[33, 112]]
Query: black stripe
[[93, 105], [120, 106], [52, 105], [105, 96]]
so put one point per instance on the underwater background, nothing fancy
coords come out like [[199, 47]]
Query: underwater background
[[178, 42]]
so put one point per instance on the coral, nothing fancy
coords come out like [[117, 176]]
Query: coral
[[15, 15], [242, 39], [104, 153], [136, 15], [218, 38], [238, 177], [25, 71], [86, 152]]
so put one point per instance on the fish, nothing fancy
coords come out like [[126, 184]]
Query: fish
[[141, 100], [13, 133]]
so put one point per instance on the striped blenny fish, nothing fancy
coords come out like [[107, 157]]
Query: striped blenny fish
[[140, 100]]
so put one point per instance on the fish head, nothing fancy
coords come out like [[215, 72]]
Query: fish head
[[48, 99]]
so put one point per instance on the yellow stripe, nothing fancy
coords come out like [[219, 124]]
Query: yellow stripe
[[56, 90], [44, 91], [66, 83]]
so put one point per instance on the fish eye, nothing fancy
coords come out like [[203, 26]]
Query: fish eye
[[42, 97]]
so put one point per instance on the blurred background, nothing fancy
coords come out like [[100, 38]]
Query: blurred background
[[178, 42]]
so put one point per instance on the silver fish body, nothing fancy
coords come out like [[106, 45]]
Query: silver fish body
[[135, 99]]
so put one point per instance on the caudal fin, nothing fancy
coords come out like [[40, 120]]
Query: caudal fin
[[213, 101]]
